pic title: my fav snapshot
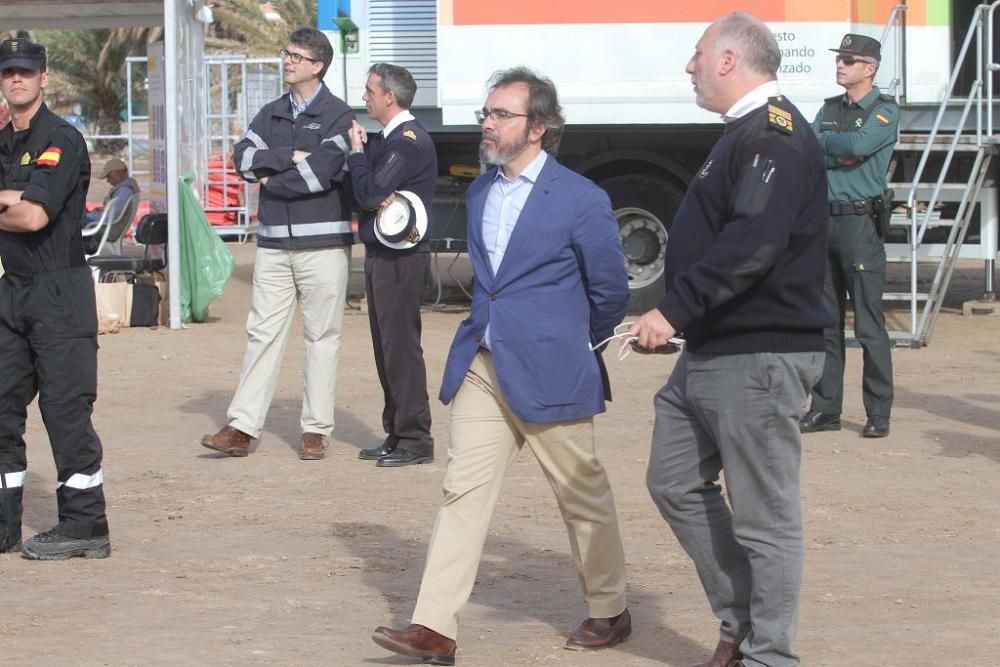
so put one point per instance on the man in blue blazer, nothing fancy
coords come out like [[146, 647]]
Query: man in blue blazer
[[550, 282]]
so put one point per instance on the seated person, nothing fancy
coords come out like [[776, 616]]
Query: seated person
[[122, 187]]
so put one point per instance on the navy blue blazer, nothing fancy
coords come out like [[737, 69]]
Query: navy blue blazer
[[561, 286]]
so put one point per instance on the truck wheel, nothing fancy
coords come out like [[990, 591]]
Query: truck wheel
[[644, 207]]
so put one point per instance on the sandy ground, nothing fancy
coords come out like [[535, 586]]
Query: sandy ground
[[270, 560]]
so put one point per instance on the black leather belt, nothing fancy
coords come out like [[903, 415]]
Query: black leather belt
[[859, 207]]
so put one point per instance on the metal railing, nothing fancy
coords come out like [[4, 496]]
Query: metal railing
[[980, 29]]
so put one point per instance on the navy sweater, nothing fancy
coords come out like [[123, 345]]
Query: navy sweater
[[747, 249], [405, 160]]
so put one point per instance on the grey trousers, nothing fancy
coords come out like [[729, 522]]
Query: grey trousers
[[738, 413]]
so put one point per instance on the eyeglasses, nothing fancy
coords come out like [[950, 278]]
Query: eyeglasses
[[499, 115], [850, 60], [295, 58]]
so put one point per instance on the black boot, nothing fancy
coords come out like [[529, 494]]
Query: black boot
[[10, 519]]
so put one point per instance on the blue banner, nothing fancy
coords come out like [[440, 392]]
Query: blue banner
[[328, 10]]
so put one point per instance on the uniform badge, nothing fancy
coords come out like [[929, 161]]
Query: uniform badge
[[13, 46], [779, 118], [312, 126], [26, 159], [410, 134], [859, 122], [883, 118], [847, 41], [705, 169], [50, 157]]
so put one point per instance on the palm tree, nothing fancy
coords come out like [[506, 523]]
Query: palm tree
[[89, 68], [240, 25]]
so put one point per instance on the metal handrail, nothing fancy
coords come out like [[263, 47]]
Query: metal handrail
[[917, 231], [895, 22]]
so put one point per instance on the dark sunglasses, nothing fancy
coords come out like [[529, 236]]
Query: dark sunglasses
[[850, 60]]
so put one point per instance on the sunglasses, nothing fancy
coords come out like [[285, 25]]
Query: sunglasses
[[850, 60]]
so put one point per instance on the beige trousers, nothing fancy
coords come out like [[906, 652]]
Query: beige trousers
[[486, 437], [317, 280]]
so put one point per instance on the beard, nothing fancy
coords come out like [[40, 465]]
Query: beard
[[501, 153]]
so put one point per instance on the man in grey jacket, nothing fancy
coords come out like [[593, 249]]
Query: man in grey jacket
[[296, 148]]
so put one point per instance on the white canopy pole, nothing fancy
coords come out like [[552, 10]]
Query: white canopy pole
[[170, 56]]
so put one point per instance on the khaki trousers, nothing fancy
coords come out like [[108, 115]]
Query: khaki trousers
[[486, 437], [317, 280]]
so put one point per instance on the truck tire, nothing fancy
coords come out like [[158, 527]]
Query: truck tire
[[644, 207]]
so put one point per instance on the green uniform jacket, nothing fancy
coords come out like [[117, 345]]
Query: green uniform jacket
[[865, 131]]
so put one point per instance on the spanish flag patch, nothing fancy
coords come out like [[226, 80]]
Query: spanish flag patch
[[883, 118], [50, 157]]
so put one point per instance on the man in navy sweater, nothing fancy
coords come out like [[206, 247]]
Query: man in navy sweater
[[400, 157], [744, 285]]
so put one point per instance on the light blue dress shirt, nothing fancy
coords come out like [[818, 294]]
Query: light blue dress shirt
[[504, 202], [296, 109]]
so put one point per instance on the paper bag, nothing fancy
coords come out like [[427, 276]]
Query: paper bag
[[114, 306]]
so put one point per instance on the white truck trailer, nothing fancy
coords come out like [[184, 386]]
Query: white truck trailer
[[633, 126]]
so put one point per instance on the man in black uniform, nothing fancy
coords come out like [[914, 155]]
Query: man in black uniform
[[401, 157], [857, 131], [48, 319], [744, 284]]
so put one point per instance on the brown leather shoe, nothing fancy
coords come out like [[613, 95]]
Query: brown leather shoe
[[726, 654], [417, 641], [313, 447], [598, 633], [229, 440]]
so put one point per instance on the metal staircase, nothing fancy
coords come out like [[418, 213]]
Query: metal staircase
[[937, 178]]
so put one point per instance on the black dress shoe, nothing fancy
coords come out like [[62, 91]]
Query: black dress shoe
[[387, 447], [403, 457], [814, 421], [876, 427]]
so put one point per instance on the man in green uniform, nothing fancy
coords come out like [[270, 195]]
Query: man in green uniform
[[857, 131], [48, 320]]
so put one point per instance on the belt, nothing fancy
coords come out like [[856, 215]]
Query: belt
[[859, 207]]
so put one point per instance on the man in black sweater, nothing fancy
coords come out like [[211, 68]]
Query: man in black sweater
[[399, 158], [744, 285]]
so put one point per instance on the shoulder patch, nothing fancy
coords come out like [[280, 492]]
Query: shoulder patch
[[50, 157], [26, 159], [779, 119], [410, 134], [882, 118]]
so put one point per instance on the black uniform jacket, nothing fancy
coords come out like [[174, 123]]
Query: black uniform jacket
[[50, 164]]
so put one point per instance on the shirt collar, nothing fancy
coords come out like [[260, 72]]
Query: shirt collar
[[396, 121], [752, 100], [296, 109], [529, 173], [867, 100]]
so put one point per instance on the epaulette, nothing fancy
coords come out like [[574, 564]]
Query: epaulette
[[409, 133], [778, 115]]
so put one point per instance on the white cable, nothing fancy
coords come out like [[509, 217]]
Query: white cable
[[627, 338]]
